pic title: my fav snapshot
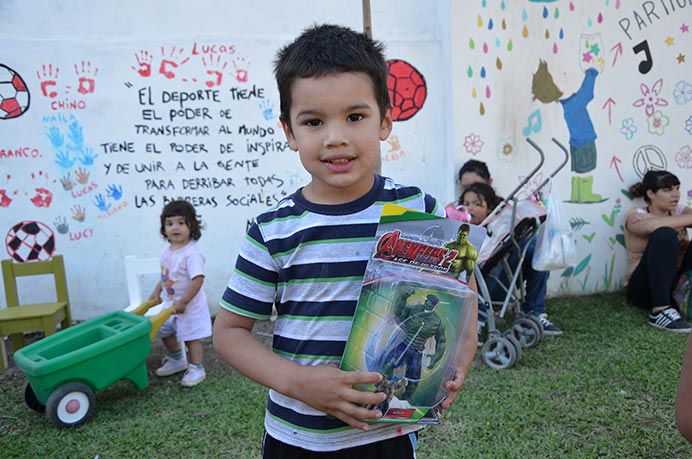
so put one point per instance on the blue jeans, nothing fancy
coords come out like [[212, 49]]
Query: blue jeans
[[536, 281]]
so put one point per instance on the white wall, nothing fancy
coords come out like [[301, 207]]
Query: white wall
[[81, 63]]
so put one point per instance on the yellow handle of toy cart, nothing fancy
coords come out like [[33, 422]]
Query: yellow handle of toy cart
[[156, 321]]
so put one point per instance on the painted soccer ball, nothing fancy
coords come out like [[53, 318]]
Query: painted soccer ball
[[30, 241], [407, 89], [14, 95]]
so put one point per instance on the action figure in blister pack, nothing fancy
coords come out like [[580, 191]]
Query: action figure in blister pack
[[420, 323]]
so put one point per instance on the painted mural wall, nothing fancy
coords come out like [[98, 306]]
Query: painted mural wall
[[610, 79], [109, 112]]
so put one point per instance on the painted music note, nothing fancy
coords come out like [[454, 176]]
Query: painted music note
[[646, 64], [534, 122]]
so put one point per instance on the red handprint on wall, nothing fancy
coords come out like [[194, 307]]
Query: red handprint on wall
[[168, 64], [86, 77], [144, 60], [48, 77], [215, 68], [240, 64]]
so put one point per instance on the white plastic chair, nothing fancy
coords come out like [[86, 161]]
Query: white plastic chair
[[135, 269]]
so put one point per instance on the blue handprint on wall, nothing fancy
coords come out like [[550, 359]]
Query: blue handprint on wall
[[87, 158], [55, 137], [267, 108], [62, 159], [76, 135], [115, 192], [101, 204]]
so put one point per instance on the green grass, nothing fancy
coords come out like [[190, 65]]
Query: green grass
[[606, 389]]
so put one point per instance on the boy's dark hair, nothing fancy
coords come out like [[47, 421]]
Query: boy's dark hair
[[181, 208], [329, 49], [479, 167], [654, 181], [485, 191]]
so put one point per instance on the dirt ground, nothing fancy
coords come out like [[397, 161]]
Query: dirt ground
[[262, 330]]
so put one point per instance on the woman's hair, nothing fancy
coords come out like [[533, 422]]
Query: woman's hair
[[485, 191], [477, 167], [180, 208], [654, 181]]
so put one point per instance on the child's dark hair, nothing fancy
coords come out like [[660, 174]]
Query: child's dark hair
[[485, 191], [329, 49], [477, 167], [654, 181], [181, 208]]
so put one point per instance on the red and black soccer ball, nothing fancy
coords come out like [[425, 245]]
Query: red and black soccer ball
[[14, 95], [407, 89], [30, 241]]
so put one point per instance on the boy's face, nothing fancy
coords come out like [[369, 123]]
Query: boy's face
[[336, 129]]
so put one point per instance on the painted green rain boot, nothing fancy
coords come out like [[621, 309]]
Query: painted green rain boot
[[585, 193]]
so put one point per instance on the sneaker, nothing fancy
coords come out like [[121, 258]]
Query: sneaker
[[171, 366], [194, 375], [549, 328], [670, 320]]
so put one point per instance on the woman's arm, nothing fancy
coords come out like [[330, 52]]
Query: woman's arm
[[645, 226]]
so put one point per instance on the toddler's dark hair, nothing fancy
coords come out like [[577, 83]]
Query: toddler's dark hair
[[328, 49], [181, 208], [485, 191], [475, 166], [654, 181]]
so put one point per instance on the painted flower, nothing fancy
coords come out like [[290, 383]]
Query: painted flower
[[651, 97], [530, 186], [473, 144], [688, 125], [505, 149], [628, 128], [682, 92], [657, 122], [684, 157]]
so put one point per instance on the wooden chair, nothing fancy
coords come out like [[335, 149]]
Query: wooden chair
[[18, 318]]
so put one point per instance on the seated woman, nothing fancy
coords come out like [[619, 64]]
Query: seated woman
[[658, 249]]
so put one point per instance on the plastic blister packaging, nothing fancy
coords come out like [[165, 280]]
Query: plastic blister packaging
[[413, 312]]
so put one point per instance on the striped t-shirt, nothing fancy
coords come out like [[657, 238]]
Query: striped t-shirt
[[309, 260]]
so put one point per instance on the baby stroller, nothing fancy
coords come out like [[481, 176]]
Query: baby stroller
[[513, 221]]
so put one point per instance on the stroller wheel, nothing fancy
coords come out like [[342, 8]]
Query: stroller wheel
[[499, 353], [535, 320], [526, 331], [517, 345]]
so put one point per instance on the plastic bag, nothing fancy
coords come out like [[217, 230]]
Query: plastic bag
[[555, 246]]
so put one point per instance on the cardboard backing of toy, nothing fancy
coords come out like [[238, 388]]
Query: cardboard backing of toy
[[413, 310]]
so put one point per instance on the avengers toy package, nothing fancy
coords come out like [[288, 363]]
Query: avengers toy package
[[413, 310]]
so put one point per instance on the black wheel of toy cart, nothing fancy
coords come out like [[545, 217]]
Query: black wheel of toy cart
[[31, 400], [517, 345], [499, 353], [70, 405], [526, 331]]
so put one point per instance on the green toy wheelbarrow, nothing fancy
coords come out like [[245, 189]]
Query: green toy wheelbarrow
[[65, 369]]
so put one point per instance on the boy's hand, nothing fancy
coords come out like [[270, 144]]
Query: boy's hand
[[453, 387], [330, 390]]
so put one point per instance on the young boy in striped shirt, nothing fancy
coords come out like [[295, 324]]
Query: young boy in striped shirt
[[307, 256]]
